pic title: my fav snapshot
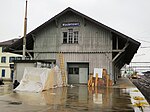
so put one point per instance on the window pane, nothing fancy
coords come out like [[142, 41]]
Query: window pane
[[70, 71], [3, 59], [70, 40], [64, 34], [70, 35], [11, 59], [64, 37], [76, 37], [27, 58], [3, 72], [76, 70], [18, 58], [3, 49]]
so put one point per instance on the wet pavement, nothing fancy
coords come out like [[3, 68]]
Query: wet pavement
[[80, 98]]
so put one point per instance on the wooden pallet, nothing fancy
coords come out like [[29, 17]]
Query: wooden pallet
[[95, 81]]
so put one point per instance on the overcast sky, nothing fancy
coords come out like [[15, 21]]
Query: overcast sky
[[130, 17]]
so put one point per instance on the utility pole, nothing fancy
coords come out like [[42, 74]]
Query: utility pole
[[25, 31]]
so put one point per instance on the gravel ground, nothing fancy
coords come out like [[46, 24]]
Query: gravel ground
[[143, 84]]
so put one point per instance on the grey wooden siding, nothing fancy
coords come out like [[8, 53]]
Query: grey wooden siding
[[45, 40], [92, 38], [96, 60]]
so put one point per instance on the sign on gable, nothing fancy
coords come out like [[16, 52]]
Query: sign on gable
[[70, 24]]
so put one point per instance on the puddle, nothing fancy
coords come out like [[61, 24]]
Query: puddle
[[15, 103]]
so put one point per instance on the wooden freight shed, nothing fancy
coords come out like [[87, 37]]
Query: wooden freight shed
[[85, 43]]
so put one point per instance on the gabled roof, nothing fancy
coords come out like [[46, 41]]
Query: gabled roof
[[18, 45], [8, 42], [86, 17]]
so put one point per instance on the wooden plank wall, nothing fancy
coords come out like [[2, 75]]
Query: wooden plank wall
[[92, 38]]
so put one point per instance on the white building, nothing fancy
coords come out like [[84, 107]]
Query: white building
[[6, 60]]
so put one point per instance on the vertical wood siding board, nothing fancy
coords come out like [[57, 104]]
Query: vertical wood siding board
[[87, 34]]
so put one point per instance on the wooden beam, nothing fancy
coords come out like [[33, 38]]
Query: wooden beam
[[19, 51], [99, 52], [118, 50], [30, 55], [126, 45], [117, 42], [33, 36]]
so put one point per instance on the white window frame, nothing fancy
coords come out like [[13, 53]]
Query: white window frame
[[72, 36]]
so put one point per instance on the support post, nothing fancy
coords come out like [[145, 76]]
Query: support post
[[96, 80], [25, 31]]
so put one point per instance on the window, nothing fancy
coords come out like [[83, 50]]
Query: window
[[76, 70], [70, 37], [3, 49], [11, 59], [12, 74], [3, 59], [27, 58], [18, 58], [70, 71], [11, 66], [3, 72], [64, 37], [76, 37], [73, 70]]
